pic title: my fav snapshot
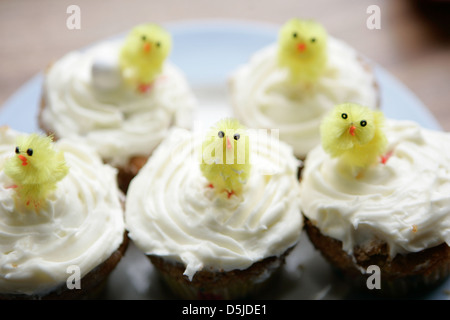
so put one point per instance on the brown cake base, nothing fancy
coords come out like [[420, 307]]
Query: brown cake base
[[216, 285], [91, 284], [404, 275], [127, 173]]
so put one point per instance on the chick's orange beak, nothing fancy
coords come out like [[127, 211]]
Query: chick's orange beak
[[352, 130], [229, 146], [147, 47], [23, 159], [301, 47]]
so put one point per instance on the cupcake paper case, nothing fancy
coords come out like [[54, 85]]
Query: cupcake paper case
[[263, 95], [79, 226], [395, 215], [87, 94], [209, 245]]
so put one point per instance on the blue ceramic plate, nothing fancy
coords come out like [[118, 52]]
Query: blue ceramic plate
[[207, 51]]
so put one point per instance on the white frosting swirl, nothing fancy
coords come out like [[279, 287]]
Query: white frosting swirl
[[171, 212], [118, 123], [405, 203], [263, 96], [82, 223]]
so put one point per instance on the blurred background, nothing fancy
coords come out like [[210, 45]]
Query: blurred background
[[413, 43]]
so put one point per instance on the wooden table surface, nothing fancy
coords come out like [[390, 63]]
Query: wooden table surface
[[413, 42]]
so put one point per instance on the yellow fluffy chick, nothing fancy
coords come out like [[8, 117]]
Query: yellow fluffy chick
[[355, 134], [35, 169], [226, 156], [302, 48], [143, 53]]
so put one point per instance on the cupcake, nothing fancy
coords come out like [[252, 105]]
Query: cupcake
[[290, 85], [389, 211], [61, 219], [120, 96], [217, 215]]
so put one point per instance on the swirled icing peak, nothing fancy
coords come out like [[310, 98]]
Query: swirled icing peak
[[263, 95], [119, 123]]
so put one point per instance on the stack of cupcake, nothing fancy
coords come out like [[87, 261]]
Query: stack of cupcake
[[62, 203], [372, 196], [218, 213]]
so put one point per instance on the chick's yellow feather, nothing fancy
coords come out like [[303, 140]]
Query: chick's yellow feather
[[226, 158], [35, 168], [302, 49], [355, 134], [143, 53]]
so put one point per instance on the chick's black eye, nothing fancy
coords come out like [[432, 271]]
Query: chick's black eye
[[30, 152], [344, 116], [144, 38], [294, 35], [363, 123], [17, 150], [221, 134], [313, 40], [236, 136], [158, 44]]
